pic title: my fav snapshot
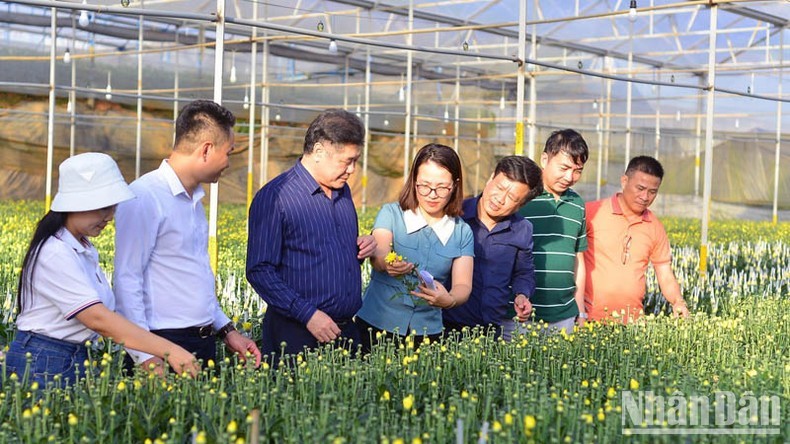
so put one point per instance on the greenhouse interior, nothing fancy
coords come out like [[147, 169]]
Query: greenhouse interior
[[697, 84]]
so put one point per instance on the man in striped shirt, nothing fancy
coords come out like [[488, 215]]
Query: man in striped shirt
[[559, 236], [303, 249]]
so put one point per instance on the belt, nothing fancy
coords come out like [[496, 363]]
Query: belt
[[201, 332]]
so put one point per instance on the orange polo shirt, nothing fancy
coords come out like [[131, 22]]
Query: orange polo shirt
[[617, 256]]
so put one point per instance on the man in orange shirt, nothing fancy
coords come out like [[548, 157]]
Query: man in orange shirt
[[623, 236]]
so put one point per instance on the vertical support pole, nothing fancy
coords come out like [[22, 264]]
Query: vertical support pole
[[51, 116], [219, 56], [522, 51], [345, 84], [706, 196], [698, 141], [607, 136], [175, 85], [533, 94], [73, 92], [407, 122], [658, 118], [457, 113], [599, 130], [629, 86], [367, 132], [253, 101], [477, 162], [775, 218], [139, 130], [263, 177]]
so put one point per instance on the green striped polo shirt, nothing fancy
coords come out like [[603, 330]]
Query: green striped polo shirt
[[559, 232]]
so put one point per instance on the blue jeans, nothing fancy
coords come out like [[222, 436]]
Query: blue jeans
[[48, 357]]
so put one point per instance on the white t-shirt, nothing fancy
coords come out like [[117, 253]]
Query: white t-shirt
[[66, 280]]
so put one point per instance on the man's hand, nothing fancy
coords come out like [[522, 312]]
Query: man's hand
[[154, 365], [680, 309], [322, 327], [523, 307], [242, 345], [366, 246]]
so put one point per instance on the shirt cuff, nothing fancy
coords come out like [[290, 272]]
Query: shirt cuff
[[302, 311]]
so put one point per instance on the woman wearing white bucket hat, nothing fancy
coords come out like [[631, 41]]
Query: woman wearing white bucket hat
[[63, 297]]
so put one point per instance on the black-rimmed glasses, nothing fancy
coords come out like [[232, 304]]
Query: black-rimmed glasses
[[425, 191]]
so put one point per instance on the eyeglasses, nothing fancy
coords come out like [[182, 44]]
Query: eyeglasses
[[425, 191], [626, 249]]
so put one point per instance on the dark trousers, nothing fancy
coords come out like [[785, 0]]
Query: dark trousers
[[203, 348], [287, 336], [368, 334]]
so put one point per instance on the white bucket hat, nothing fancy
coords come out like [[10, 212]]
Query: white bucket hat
[[88, 182]]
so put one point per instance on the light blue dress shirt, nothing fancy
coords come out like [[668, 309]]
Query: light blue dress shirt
[[387, 304]]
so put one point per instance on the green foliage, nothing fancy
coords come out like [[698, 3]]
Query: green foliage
[[536, 388]]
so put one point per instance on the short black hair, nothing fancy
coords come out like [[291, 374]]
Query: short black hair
[[645, 164], [203, 115], [522, 169], [570, 142], [336, 126]]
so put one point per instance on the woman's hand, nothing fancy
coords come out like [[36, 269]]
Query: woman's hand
[[436, 297], [399, 268], [183, 361]]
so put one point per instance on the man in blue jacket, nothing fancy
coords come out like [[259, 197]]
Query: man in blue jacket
[[503, 247]]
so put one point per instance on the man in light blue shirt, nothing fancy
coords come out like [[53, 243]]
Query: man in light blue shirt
[[163, 281]]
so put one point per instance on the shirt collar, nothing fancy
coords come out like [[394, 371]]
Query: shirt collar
[[175, 185], [308, 182], [415, 221], [66, 237], [616, 209], [469, 208]]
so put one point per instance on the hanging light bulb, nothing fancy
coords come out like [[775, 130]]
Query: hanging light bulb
[[632, 11], [108, 90], [595, 104], [502, 102], [277, 116], [69, 106], [333, 46], [677, 116], [444, 131], [320, 26], [67, 56], [125, 3], [246, 100], [84, 21], [386, 122], [446, 113], [737, 123], [466, 45], [402, 94]]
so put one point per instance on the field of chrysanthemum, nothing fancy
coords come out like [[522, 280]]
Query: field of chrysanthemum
[[733, 352]]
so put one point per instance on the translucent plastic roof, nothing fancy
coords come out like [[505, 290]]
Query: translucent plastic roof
[[474, 41]]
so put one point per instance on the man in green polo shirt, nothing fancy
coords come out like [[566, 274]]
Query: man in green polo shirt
[[559, 236]]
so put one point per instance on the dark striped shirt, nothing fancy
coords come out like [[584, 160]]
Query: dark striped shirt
[[559, 232], [302, 248]]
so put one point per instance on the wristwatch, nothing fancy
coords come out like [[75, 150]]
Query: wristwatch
[[584, 315], [227, 328]]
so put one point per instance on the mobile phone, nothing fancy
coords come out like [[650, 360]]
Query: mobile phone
[[426, 279]]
